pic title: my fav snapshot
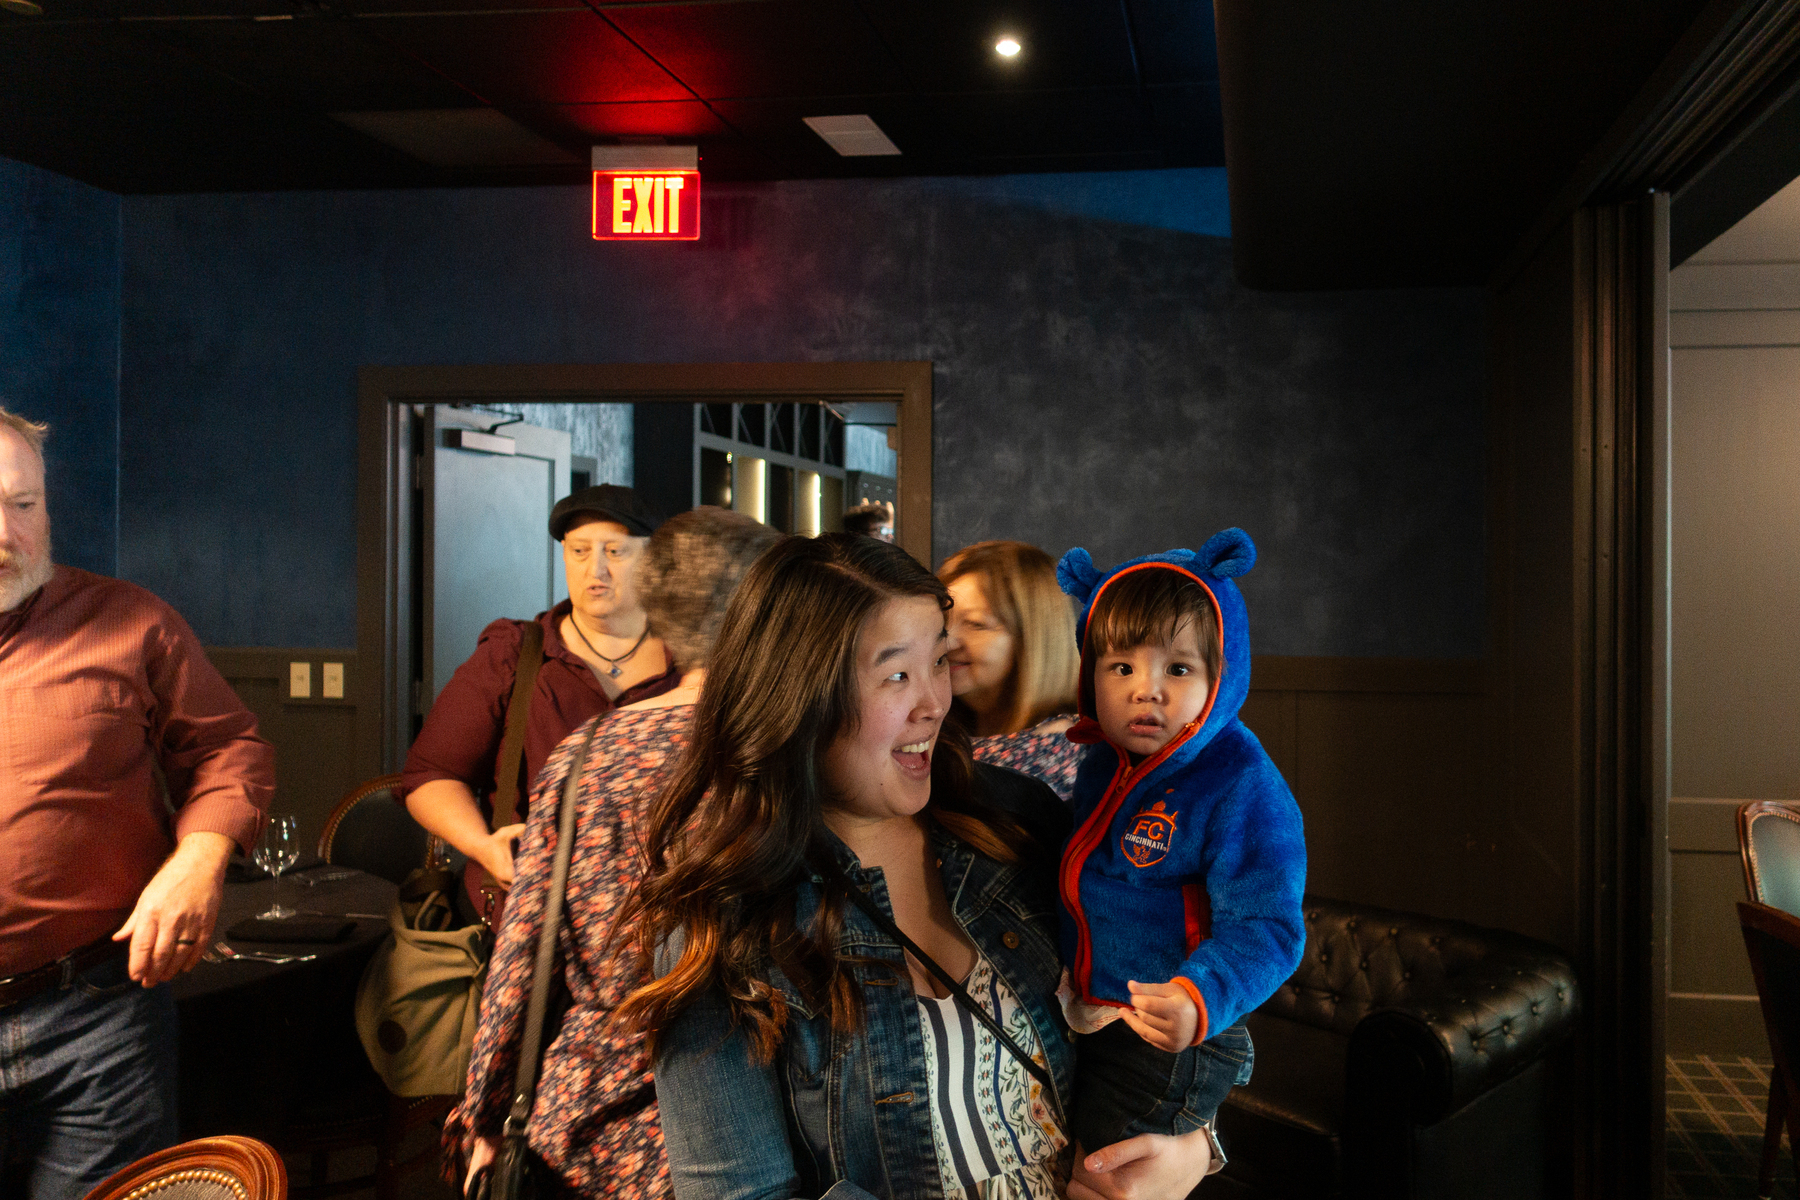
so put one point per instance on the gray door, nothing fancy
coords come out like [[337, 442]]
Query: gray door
[[487, 549]]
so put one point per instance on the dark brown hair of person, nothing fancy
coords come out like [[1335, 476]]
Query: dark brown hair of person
[[735, 829], [691, 566], [868, 516], [1150, 604], [1019, 581]]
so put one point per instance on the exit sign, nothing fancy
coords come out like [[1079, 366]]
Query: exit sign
[[647, 206]]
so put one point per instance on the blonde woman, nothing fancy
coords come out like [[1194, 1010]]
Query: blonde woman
[[1013, 659]]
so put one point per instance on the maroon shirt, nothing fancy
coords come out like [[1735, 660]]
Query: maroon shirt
[[462, 733], [101, 683]]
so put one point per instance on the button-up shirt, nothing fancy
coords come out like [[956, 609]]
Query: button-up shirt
[[102, 685], [461, 735]]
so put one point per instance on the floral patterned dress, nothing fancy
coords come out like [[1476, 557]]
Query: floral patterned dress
[[1050, 757], [595, 1119]]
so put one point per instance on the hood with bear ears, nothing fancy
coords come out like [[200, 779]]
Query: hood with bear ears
[[1225, 556]]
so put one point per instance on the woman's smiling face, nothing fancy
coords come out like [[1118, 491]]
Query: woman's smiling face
[[882, 768]]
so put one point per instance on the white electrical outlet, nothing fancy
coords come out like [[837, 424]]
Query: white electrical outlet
[[299, 680], [333, 681]]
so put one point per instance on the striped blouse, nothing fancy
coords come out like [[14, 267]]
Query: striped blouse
[[996, 1134]]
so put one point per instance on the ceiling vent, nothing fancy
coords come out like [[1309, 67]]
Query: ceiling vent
[[459, 137], [855, 136]]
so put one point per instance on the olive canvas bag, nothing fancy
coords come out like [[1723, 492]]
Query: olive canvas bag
[[418, 999], [417, 1003]]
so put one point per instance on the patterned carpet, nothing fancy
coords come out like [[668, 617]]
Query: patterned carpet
[[1716, 1112]]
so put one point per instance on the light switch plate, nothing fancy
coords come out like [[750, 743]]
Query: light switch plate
[[332, 681], [299, 680]]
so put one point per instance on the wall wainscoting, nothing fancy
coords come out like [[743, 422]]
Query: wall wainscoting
[[314, 738]]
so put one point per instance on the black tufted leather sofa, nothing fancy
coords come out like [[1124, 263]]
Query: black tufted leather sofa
[[1406, 1058]]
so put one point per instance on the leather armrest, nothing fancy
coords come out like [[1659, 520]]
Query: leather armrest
[[1448, 1043]]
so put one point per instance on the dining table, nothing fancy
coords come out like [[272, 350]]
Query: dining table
[[268, 1046]]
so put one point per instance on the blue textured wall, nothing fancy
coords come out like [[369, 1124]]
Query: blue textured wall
[[1100, 378], [59, 347]]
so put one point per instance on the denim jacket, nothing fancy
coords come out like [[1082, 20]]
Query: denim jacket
[[848, 1116]]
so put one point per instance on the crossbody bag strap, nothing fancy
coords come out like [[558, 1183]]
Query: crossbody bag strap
[[518, 715], [531, 1046], [873, 911]]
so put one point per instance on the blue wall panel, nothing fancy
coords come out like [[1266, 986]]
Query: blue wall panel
[[1100, 378], [59, 347]]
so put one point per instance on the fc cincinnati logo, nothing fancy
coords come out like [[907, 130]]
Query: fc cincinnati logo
[[1148, 839]]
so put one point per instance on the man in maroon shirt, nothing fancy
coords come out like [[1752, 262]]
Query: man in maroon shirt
[[598, 653], [104, 896]]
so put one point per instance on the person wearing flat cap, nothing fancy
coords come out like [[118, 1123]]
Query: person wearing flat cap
[[596, 653]]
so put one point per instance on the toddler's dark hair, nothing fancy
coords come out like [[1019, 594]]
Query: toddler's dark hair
[[1149, 604]]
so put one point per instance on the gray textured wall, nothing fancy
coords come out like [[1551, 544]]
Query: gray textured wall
[[1100, 380], [59, 347]]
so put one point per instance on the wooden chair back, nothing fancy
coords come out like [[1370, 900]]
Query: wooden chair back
[[371, 831], [214, 1168], [1769, 843]]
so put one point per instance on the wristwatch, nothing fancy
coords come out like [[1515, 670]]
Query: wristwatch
[[1218, 1151]]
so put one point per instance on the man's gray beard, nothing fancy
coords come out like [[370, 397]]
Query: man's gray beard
[[23, 577]]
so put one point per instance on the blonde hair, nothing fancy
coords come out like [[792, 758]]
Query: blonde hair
[[1019, 581], [34, 432]]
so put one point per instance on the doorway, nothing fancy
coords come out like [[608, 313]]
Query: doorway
[[406, 411]]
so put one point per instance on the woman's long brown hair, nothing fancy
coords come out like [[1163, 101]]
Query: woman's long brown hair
[[731, 834]]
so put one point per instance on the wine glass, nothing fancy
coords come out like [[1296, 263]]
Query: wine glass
[[278, 850]]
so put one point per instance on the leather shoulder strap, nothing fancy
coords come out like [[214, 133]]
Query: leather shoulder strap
[[531, 1045], [873, 911], [518, 715]]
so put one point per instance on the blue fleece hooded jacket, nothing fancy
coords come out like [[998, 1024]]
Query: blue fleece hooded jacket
[[1189, 866]]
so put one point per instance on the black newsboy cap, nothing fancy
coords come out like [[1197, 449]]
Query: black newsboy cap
[[609, 502]]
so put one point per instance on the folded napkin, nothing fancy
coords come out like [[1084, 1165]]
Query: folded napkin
[[291, 929]]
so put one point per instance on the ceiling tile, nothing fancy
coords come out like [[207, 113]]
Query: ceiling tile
[[776, 48], [1073, 122], [776, 127], [532, 57], [322, 65], [677, 120], [948, 45]]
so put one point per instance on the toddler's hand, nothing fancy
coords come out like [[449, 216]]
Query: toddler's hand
[[1163, 1015]]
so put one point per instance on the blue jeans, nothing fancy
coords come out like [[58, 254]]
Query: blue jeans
[[87, 1083], [1124, 1086]]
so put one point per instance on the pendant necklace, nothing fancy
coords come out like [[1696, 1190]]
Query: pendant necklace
[[613, 668]]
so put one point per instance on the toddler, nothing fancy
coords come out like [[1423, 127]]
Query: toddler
[[1181, 884]]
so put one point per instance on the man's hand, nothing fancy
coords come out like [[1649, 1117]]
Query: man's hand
[[1163, 1015], [497, 854], [1147, 1167], [173, 921]]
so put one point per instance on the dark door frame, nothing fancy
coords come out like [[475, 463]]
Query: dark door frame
[[1581, 565], [387, 476]]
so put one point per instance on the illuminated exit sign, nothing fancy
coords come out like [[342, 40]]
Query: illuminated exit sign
[[646, 193]]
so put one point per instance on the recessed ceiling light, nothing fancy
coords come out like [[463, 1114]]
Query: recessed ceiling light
[[853, 136], [1007, 47]]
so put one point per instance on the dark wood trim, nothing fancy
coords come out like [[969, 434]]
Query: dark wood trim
[[1734, 65], [384, 474], [1655, 447], [1622, 252], [1456, 676]]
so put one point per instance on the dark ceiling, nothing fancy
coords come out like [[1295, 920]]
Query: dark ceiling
[[1369, 145], [227, 95], [1376, 145]]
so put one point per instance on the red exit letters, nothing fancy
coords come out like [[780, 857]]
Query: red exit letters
[[647, 206]]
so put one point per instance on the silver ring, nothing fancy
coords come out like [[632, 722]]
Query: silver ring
[[186, 941]]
